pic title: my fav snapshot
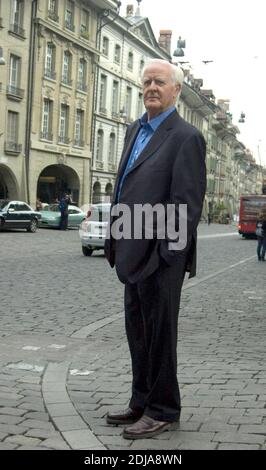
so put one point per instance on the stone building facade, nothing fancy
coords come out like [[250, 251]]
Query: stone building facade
[[15, 25], [48, 84], [125, 46], [69, 87]]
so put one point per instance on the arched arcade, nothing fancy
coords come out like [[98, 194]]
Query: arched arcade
[[8, 184], [55, 180]]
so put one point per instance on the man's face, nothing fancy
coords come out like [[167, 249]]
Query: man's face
[[159, 90]]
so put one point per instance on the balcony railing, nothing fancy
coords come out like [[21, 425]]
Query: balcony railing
[[70, 26], [78, 143], [17, 29], [46, 135], [82, 86], [14, 92], [49, 74], [53, 16], [62, 139], [66, 81], [13, 147]]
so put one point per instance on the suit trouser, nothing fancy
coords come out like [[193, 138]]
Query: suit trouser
[[63, 221], [151, 315]]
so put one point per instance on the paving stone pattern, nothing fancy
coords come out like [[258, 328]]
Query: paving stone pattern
[[64, 359]]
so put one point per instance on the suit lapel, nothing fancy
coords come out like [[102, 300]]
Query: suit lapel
[[128, 147], [160, 135]]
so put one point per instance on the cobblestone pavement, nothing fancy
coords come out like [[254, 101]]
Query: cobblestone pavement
[[64, 360]]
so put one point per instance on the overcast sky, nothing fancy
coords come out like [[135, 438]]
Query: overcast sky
[[232, 33]]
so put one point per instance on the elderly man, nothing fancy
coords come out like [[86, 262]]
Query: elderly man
[[163, 162]]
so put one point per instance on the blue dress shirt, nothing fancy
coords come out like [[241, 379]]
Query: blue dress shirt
[[144, 135]]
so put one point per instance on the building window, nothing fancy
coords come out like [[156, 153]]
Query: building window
[[111, 156], [128, 102], [53, 9], [63, 124], [47, 120], [13, 90], [85, 24], [69, 16], [115, 99], [141, 66], [52, 6], [17, 12], [130, 61], [140, 104], [50, 61], [11, 144], [79, 126], [103, 86], [99, 148], [17, 17], [66, 72], [81, 85], [117, 55], [105, 48], [14, 71], [12, 127]]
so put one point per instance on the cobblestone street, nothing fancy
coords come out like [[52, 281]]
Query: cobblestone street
[[64, 360]]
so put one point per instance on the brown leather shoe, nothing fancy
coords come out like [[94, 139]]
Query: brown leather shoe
[[127, 416], [148, 427]]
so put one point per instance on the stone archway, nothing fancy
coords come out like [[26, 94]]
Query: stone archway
[[108, 191], [55, 180], [96, 193], [8, 184]]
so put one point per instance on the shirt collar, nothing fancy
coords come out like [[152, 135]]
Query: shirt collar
[[155, 122]]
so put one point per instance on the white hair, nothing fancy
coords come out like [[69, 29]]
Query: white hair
[[177, 72]]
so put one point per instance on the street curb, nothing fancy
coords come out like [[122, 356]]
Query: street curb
[[69, 423]]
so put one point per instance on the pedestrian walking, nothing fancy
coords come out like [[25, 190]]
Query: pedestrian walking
[[163, 162], [261, 236]]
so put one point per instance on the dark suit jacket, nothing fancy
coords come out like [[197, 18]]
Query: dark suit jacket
[[170, 170]]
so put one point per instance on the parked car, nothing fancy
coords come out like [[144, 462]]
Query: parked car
[[93, 228], [18, 214], [51, 216]]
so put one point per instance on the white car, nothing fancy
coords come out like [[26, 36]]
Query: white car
[[92, 230]]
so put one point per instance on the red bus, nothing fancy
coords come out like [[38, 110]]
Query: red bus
[[250, 207]]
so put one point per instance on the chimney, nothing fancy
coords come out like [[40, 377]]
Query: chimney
[[130, 10], [165, 39]]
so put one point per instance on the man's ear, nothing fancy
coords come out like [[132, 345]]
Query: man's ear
[[178, 89]]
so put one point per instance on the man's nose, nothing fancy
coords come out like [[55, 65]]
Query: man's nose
[[153, 84]]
